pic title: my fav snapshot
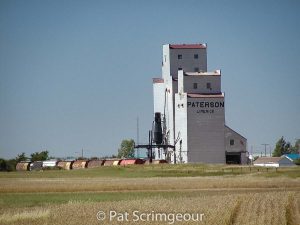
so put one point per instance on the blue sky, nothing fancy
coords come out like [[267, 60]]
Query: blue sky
[[77, 74]]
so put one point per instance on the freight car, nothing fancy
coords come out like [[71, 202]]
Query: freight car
[[66, 165], [36, 165], [125, 162], [79, 164], [95, 163]]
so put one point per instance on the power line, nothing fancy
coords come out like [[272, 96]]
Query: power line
[[265, 148]]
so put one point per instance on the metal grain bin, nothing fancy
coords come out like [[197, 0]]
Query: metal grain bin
[[131, 162], [37, 165], [22, 166], [66, 165], [79, 164], [95, 163]]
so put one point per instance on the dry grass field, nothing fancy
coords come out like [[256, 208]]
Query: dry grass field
[[53, 197]]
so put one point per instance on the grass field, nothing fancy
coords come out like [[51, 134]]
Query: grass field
[[223, 194]]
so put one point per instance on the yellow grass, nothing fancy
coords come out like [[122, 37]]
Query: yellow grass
[[223, 200], [9, 185], [256, 209], [25, 215]]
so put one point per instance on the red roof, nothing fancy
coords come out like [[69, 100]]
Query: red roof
[[157, 80], [187, 46], [219, 95]]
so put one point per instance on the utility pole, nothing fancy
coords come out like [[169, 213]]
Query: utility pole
[[265, 148], [82, 153], [137, 136]]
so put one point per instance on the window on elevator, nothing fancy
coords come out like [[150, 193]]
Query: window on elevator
[[208, 86]]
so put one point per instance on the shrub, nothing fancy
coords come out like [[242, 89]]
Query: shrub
[[297, 162]]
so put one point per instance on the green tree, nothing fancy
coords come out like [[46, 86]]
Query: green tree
[[21, 157], [126, 149], [282, 147], [296, 148], [8, 165], [11, 165], [2, 165], [39, 156], [297, 162]]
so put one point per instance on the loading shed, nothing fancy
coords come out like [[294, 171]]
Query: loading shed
[[282, 161]]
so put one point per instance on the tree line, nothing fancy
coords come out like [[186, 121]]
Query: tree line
[[126, 150], [10, 164], [284, 147]]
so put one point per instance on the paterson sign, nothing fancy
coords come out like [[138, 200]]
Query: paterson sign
[[206, 104]]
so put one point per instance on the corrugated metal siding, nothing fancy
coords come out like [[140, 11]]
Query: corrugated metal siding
[[201, 82], [206, 129], [159, 97], [284, 161], [181, 126], [187, 63]]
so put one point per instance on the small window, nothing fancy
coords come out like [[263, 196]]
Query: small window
[[195, 85], [196, 69], [179, 56], [195, 56], [231, 142], [208, 85]]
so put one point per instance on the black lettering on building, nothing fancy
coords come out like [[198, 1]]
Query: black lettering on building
[[206, 104]]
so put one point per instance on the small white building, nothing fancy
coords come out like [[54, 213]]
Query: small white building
[[50, 163], [282, 161]]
